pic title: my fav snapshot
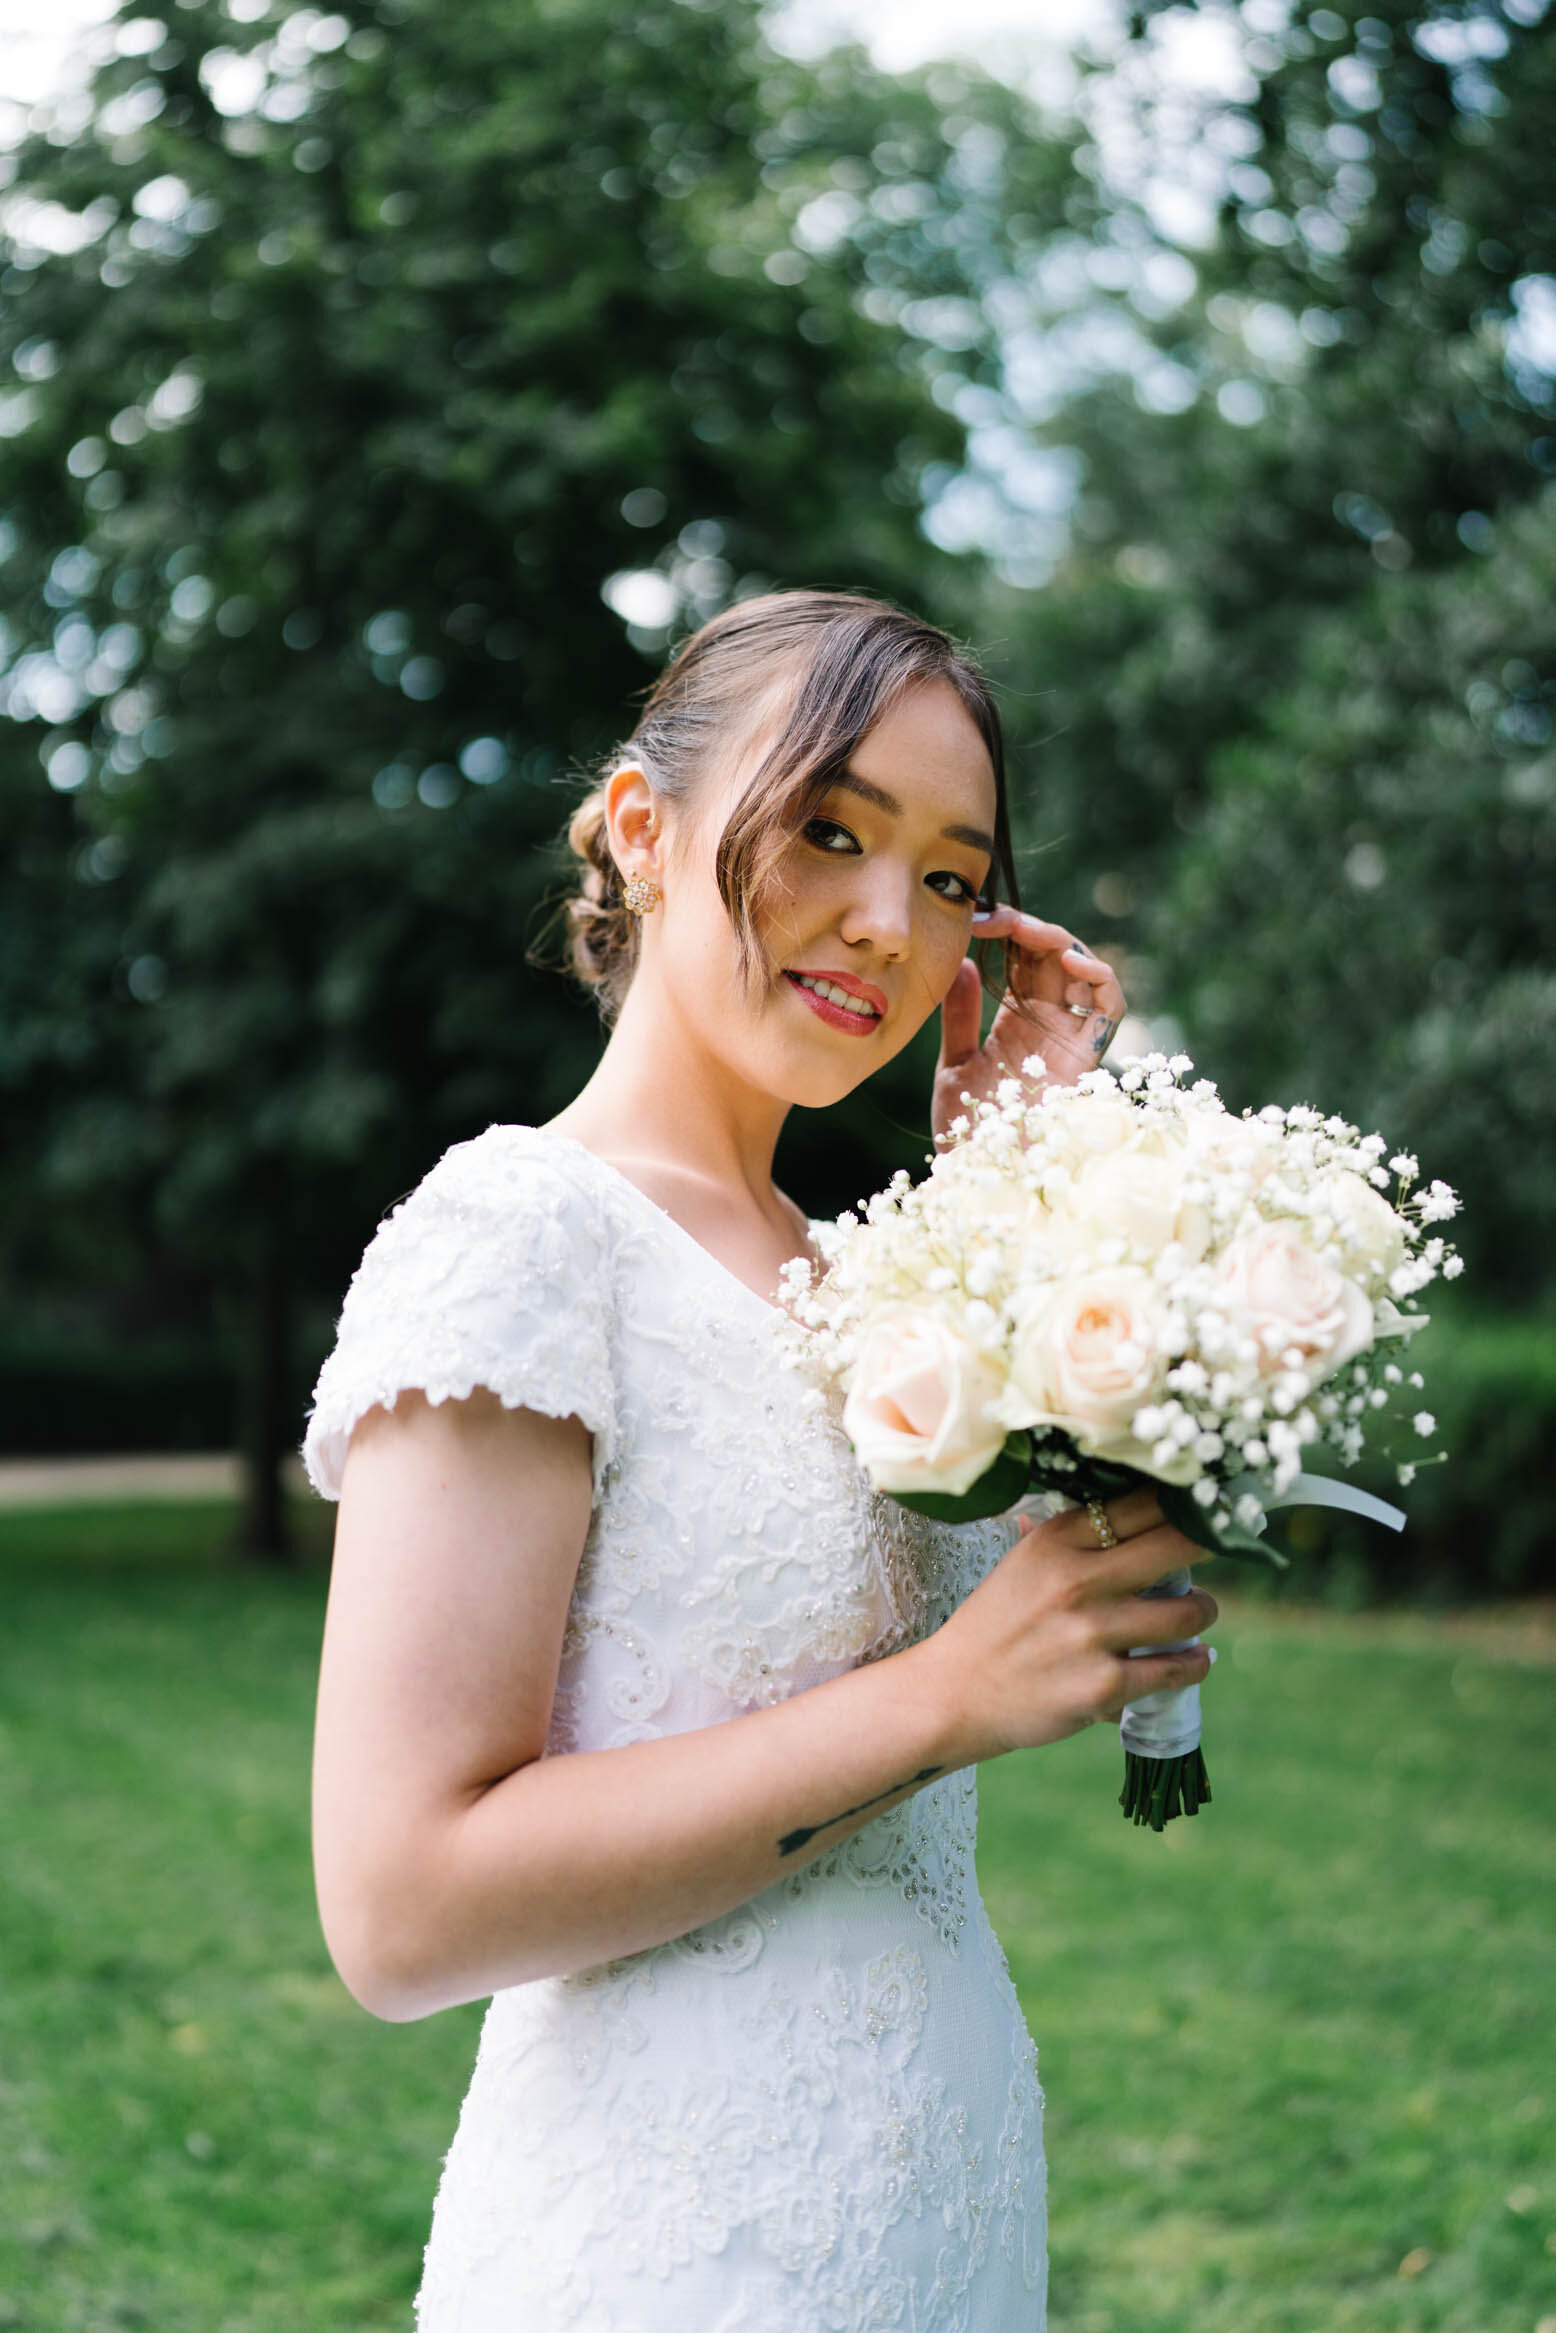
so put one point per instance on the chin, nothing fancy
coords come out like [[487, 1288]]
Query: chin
[[813, 1078]]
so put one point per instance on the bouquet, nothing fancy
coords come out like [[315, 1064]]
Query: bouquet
[[1119, 1283]]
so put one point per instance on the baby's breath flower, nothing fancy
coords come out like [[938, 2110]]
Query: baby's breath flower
[[1424, 1423], [1407, 1475]]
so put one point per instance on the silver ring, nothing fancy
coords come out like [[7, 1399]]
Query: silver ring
[[1082, 1012]]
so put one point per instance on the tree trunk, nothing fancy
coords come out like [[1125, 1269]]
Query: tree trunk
[[266, 1426]]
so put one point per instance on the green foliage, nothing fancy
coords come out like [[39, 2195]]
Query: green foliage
[[379, 344], [340, 417], [1286, 2046], [1293, 685], [1383, 846]]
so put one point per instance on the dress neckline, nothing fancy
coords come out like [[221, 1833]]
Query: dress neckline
[[662, 1214]]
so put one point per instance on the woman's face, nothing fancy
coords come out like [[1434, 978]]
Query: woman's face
[[874, 898]]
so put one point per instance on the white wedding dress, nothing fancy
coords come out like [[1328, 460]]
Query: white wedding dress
[[821, 2112]]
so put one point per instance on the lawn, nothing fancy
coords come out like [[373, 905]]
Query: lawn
[[1298, 2054]]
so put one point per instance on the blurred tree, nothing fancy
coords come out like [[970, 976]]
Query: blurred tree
[[1383, 846], [1290, 672], [354, 353]]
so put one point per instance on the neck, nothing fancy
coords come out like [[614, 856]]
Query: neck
[[659, 1094]]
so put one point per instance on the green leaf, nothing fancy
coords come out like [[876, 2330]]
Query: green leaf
[[991, 1494]]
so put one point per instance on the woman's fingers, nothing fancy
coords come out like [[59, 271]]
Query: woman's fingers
[[1158, 1673], [1051, 966], [1146, 1549], [1151, 1620], [1127, 1516], [1030, 932], [1042, 943], [1092, 983]]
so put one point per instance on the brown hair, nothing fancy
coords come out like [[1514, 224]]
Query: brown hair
[[847, 660]]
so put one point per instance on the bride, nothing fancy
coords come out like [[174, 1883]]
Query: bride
[[638, 1711]]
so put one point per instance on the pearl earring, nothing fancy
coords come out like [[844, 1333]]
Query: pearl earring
[[642, 894]]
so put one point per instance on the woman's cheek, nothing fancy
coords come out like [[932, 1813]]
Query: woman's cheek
[[943, 954]]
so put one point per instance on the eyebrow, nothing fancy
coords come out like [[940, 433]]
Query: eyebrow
[[852, 783]]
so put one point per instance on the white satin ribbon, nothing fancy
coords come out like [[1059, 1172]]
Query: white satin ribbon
[[1321, 1490], [1164, 1724]]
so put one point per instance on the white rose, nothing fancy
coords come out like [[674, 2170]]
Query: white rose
[[1087, 1356], [1091, 1125], [1136, 1197], [918, 1406], [1294, 1298], [1237, 1146], [1371, 1234]]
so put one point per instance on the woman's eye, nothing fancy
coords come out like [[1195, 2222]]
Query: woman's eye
[[962, 893], [827, 835]]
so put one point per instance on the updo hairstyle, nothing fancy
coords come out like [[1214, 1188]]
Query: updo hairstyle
[[842, 660]]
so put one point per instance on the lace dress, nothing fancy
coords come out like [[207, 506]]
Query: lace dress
[[819, 2113]]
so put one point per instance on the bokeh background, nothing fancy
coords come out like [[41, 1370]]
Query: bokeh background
[[383, 390]]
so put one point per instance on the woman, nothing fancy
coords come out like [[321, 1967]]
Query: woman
[[638, 1712]]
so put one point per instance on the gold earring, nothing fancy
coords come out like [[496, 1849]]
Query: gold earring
[[642, 894]]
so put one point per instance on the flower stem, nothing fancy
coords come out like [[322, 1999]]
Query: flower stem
[[1157, 1789]]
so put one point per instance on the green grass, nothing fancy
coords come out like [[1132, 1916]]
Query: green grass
[[1299, 2052], [1288, 2047]]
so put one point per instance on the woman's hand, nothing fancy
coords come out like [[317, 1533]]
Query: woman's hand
[[1041, 1649], [1063, 1002]]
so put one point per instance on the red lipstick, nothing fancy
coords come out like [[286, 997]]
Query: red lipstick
[[826, 1008]]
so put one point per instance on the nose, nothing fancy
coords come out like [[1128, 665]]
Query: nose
[[879, 915]]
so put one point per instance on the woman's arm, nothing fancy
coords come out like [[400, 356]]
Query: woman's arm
[[453, 1860]]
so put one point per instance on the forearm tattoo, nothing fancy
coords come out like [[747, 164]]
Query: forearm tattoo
[[793, 1841]]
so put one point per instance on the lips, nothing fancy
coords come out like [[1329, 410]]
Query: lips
[[838, 1014], [844, 980]]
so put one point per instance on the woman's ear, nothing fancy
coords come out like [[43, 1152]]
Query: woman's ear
[[632, 822]]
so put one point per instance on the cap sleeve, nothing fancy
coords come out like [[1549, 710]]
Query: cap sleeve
[[495, 1273]]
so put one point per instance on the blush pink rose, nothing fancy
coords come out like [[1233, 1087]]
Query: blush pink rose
[[919, 1404], [1295, 1300], [1088, 1355]]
